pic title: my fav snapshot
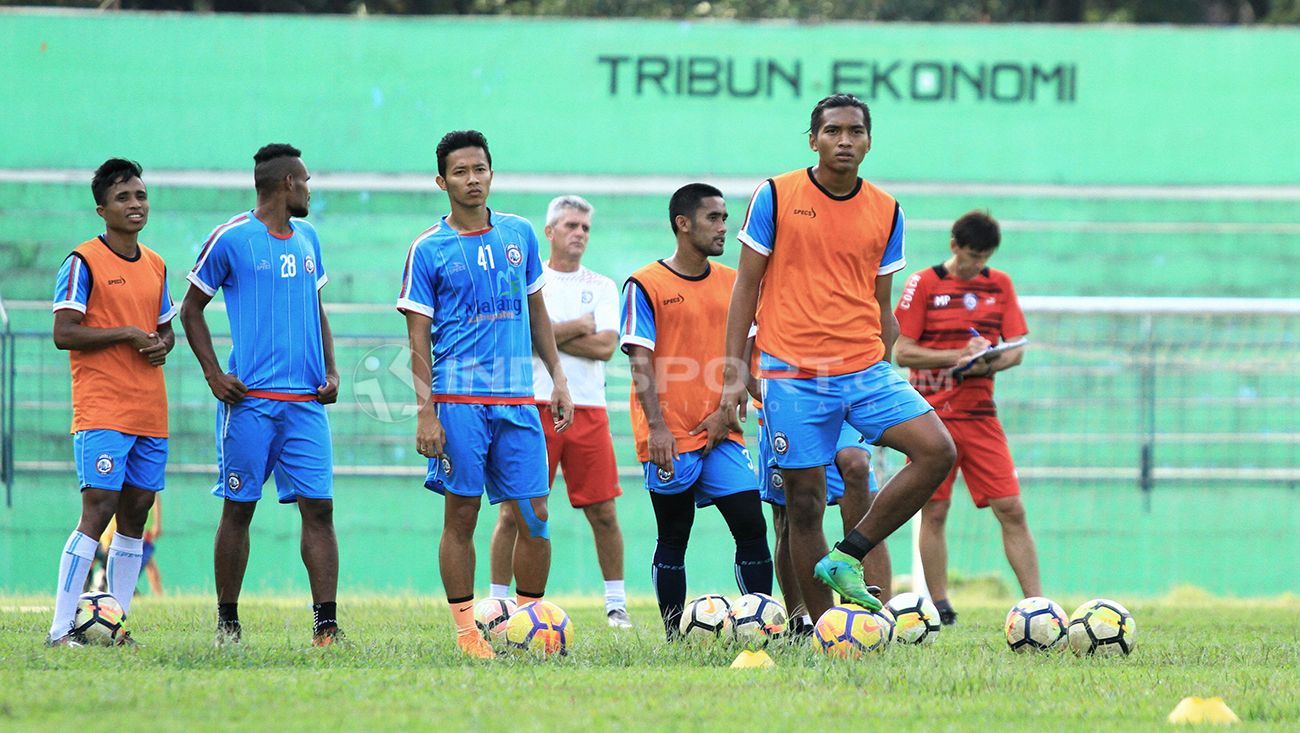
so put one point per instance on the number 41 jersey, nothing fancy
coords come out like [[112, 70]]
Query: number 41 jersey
[[271, 286], [475, 287]]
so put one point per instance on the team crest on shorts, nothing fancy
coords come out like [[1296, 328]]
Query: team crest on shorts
[[233, 483], [445, 464], [665, 476], [514, 255], [104, 464], [780, 444], [970, 300], [309, 264], [778, 479]]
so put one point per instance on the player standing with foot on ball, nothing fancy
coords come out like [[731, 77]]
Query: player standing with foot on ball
[[821, 248], [472, 297], [673, 315], [584, 305], [947, 315], [112, 314], [271, 400]]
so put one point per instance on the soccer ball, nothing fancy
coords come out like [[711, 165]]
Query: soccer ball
[[887, 620], [100, 618], [1102, 627], [1036, 624], [756, 618], [705, 617], [850, 631], [540, 626], [916, 620], [491, 616]]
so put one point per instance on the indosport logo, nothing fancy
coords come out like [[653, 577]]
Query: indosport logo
[[923, 80]]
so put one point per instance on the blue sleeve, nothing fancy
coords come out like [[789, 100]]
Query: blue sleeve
[[893, 260], [533, 262], [758, 231], [321, 277], [167, 309], [213, 266], [638, 319], [72, 285], [418, 281]]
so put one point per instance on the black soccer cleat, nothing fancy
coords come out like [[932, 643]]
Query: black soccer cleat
[[229, 633]]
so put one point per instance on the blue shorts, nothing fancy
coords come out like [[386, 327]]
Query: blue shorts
[[500, 448], [773, 482], [107, 459], [804, 417], [726, 470], [257, 436]]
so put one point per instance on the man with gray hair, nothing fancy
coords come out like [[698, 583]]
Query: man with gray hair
[[583, 306]]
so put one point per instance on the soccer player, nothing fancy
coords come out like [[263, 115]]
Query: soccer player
[[471, 294], [112, 314], [821, 248], [672, 332], [271, 399], [939, 313], [584, 308]]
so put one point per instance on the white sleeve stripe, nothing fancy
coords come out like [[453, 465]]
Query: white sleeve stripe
[[406, 304], [753, 244], [68, 305], [169, 315], [536, 284], [194, 278], [892, 267], [630, 340], [320, 281]]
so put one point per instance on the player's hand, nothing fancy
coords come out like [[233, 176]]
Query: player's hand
[[734, 403], [227, 387], [663, 448], [328, 393], [562, 407], [588, 321], [430, 438], [716, 426], [156, 352]]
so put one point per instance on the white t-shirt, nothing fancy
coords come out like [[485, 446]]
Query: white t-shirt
[[568, 296]]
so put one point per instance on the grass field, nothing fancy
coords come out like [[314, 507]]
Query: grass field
[[401, 671]]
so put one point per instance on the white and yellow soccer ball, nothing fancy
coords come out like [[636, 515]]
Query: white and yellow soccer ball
[[887, 619], [916, 620], [1036, 624], [1102, 627], [540, 627], [756, 618], [706, 617], [850, 631], [100, 619], [491, 616]]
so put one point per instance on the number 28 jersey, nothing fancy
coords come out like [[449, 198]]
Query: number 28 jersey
[[475, 287], [271, 285]]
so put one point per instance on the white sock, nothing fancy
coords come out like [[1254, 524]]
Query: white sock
[[496, 590], [807, 619], [615, 596], [74, 565], [125, 555]]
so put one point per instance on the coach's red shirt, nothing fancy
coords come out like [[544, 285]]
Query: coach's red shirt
[[938, 310]]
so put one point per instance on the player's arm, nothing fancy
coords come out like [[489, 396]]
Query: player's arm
[[663, 446], [751, 382], [740, 317], [566, 331], [225, 387], [888, 321], [430, 438], [328, 393], [539, 323], [70, 335], [911, 354], [156, 352], [599, 346]]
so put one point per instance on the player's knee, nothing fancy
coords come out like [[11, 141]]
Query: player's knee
[[535, 519], [1010, 511], [317, 512], [935, 513], [603, 517], [855, 469]]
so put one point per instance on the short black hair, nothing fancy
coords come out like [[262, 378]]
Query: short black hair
[[837, 100], [978, 231], [271, 164], [112, 172], [457, 139], [686, 201]]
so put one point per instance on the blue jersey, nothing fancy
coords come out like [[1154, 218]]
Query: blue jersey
[[475, 287], [271, 289]]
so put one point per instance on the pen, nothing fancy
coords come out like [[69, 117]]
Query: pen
[[974, 333]]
